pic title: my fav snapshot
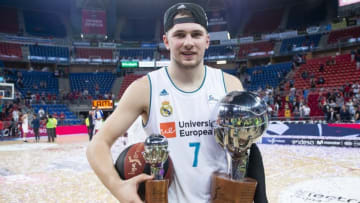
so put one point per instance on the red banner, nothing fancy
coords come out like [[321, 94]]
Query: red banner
[[93, 22]]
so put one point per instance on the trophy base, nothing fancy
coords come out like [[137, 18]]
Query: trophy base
[[156, 191], [223, 189]]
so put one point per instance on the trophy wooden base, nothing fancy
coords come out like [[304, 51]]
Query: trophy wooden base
[[223, 189], [156, 191]]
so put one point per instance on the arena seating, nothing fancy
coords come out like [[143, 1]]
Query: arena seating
[[256, 23], [48, 53], [128, 79], [82, 81], [44, 24], [219, 52], [136, 54], [302, 41], [9, 20], [70, 117], [256, 48], [262, 76], [343, 34], [10, 51], [33, 78], [335, 75]]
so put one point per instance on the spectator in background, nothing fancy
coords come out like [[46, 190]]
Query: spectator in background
[[25, 126], [15, 115], [1, 130], [304, 75], [287, 112], [51, 128], [296, 113], [357, 114], [306, 111], [321, 68], [357, 59], [90, 124], [344, 114], [62, 118], [331, 117], [347, 90], [321, 80], [41, 113], [352, 56], [99, 115], [36, 125]]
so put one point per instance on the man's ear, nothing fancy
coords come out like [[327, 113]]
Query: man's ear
[[166, 41], [207, 40]]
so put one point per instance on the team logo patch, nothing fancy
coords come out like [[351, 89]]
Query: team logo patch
[[166, 109], [168, 129], [164, 93]]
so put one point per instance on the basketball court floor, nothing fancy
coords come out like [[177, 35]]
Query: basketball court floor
[[44, 172]]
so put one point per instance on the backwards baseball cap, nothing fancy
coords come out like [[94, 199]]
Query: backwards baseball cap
[[198, 15]]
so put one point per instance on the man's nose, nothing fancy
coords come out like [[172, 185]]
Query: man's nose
[[188, 43]]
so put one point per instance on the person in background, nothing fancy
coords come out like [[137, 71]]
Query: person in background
[[89, 121], [25, 126], [51, 128], [36, 125], [41, 113], [99, 115], [1, 130]]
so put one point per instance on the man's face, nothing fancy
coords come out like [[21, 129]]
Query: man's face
[[187, 43]]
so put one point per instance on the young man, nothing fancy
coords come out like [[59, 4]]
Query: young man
[[169, 100]]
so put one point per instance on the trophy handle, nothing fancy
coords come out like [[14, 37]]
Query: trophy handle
[[156, 191], [223, 189]]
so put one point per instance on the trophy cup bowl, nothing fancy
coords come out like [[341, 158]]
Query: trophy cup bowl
[[156, 153], [240, 119]]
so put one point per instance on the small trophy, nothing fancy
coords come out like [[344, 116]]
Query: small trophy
[[240, 118], [156, 153]]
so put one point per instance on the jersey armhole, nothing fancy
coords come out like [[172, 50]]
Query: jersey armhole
[[150, 98], [223, 79]]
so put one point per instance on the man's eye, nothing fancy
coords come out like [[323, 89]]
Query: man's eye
[[179, 35], [196, 35]]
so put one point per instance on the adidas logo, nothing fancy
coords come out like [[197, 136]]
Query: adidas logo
[[164, 93]]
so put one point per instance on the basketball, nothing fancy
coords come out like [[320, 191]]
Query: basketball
[[131, 163]]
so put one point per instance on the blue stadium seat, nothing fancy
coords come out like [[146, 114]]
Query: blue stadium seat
[[262, 76]]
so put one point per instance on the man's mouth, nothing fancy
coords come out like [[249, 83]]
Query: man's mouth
[[188, 53]]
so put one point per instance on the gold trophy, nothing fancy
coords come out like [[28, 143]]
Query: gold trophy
[[241, 117], [156, 153]]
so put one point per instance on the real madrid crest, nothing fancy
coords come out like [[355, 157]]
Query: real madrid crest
[[166, 109]]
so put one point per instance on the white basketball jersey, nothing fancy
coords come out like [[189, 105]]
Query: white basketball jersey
[[184, 118]]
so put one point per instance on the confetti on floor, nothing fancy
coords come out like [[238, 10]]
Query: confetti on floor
[[44, 172]]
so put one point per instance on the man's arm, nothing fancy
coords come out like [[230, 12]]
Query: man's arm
[[134, 102], [232, 83]]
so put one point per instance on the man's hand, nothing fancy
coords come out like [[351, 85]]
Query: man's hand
[[127, 189]]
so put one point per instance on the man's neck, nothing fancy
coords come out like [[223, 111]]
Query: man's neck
[[187, 79]]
